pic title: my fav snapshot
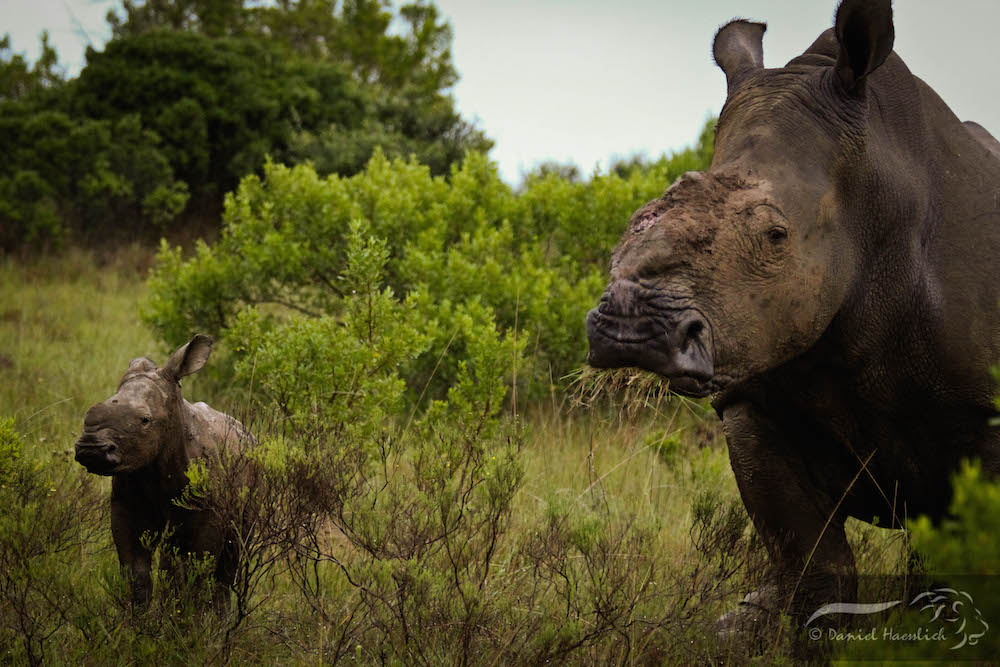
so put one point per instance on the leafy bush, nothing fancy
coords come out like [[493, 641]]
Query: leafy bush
[[456, 248], [964, 542], [330, 375], [49, 518], [404, 544]]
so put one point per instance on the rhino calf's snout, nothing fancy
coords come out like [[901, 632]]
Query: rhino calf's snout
[[98, 456], [94, 446]]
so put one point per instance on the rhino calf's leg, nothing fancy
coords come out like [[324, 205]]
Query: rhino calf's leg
[[136, 561], [804, 533], [225, 574]]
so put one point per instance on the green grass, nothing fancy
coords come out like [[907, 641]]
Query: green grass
[[69, 327], [651, 463], [67, 333]]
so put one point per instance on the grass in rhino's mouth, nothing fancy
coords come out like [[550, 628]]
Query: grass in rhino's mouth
[[632, 388]]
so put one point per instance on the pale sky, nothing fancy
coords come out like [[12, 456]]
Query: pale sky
[[583, 81]]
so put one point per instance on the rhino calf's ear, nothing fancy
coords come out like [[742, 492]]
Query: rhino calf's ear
[[865, 32], [189, 358], [739, 50]]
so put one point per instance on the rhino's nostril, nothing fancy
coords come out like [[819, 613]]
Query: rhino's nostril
[[692, 333]]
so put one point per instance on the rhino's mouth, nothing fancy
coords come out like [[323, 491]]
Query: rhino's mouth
[[98, 455], [673, 342], [609, 352]]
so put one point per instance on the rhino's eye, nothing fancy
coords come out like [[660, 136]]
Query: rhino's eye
[[146, 420], [777, 234]]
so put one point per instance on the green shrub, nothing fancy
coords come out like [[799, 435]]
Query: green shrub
[[338, 375], [50, 519], [953, 599], [965, 542], [535, 260], [398, 519]]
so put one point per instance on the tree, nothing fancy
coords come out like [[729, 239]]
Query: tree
[[18, 80], [219, 105], [404, 74], [190, 96], [211, 17], [64, 173]]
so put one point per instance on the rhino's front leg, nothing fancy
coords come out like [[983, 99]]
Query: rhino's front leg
[[135, 560], [800, 525]]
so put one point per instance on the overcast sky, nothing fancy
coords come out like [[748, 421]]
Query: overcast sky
[[583, 81]]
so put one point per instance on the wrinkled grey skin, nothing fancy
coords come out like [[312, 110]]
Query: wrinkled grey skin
[[832, 281], [144, 437]]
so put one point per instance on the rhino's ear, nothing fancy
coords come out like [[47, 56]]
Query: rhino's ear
[[739, 50], [865, 32], [189, 358]]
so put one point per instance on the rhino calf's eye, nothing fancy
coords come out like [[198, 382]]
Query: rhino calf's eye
[[146, 420], [777, 234]]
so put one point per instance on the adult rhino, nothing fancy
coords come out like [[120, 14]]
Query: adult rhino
[[832, 280], [144, 436]]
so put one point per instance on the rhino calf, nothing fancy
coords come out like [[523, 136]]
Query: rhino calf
[[143, 437]]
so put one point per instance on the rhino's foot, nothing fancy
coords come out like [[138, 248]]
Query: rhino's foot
[[749, 629], [757, 611], [758, 627]]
